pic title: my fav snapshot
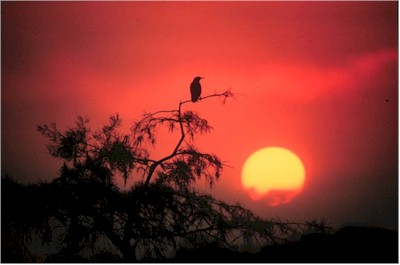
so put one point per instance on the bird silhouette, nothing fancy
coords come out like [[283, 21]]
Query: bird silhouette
[[195, 88]]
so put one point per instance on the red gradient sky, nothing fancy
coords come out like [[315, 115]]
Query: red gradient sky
[[318, 78]]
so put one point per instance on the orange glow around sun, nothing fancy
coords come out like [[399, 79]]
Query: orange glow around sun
[[273, 173]]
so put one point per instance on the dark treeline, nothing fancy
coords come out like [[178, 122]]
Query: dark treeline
[[41, 216]]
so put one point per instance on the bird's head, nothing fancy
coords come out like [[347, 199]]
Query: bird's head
[[197, 78]]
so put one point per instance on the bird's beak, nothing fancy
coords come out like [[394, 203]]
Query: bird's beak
[[201, 77]]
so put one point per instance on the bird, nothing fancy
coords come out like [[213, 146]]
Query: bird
[[195, 88]]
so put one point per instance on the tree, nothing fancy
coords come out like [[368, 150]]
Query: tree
[[89, 216]]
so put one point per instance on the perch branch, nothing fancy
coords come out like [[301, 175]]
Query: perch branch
[[153, 167]]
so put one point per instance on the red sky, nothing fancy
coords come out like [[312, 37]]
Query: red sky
[[318, 78]]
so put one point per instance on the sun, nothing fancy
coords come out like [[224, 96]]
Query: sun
[[273, 173]]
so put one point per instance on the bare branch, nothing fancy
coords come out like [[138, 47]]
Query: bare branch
[[193, 124]]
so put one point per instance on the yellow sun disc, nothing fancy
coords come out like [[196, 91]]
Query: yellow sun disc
[[275, 173]]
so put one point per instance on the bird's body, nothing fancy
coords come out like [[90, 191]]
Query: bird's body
[[195, 88]]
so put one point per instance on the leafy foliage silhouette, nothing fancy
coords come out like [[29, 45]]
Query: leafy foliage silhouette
[[85, 216]]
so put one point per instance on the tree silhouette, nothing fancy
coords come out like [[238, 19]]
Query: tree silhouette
[[87, 217]]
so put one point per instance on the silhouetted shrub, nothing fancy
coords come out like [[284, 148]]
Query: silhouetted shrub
[[83, 217]]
